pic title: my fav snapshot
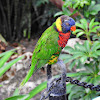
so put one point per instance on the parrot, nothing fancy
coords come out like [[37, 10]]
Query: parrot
[[50, 44]]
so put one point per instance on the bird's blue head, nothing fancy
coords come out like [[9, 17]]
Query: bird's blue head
[[65, 24]]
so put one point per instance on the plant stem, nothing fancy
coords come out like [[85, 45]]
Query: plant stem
[[88, 38]]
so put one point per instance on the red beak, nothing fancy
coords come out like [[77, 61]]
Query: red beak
[[73, 28]]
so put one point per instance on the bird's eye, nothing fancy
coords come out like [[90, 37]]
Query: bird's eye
[[67, 24]]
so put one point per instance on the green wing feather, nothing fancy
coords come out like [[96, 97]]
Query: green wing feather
[[46, 46]]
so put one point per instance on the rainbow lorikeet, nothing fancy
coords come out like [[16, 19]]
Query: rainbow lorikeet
[[50, 44]]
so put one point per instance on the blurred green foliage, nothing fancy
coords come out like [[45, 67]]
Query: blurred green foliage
[[4, 58], [93, 9], [84, 9], [87, 29]]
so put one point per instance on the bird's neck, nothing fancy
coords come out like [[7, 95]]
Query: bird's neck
[[63, 38]]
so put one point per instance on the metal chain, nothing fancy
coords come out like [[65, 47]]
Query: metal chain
[[83, 84], [72, 81]]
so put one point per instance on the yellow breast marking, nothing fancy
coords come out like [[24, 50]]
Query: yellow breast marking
[[53, 59]]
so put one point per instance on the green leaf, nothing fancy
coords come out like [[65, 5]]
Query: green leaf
[[16, 92], [58, 13], [93, 12], [69, 49], [86, 97], [76, 4], [75, 11], [80, 34], [83, 59], [69, 86], [78, 74], [86, 13], [75, 94], [84, 23], [7, 66], [38, 89], [95, 29], [96, 7], [87, 46], [66, 11], [80, 47], [92, 5], [75, 74], [80, 26], [68, 60], [96, 80], [77, 30], [96, 37], [94, 55], [97, 52], [5, 58], [91, 24], [19, 97], [81, 4], [68, 3], [89, 68], [95, 46], [5, 53], [96, 23], [73, 57], [86, 2], [77, 52], [72, 64], [65, 56]]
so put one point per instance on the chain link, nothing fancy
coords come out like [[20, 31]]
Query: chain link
[[83, 84]]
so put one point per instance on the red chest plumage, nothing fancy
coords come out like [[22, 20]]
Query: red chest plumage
[[63, 38]]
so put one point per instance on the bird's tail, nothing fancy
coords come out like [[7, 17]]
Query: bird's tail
[[29, 74]]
